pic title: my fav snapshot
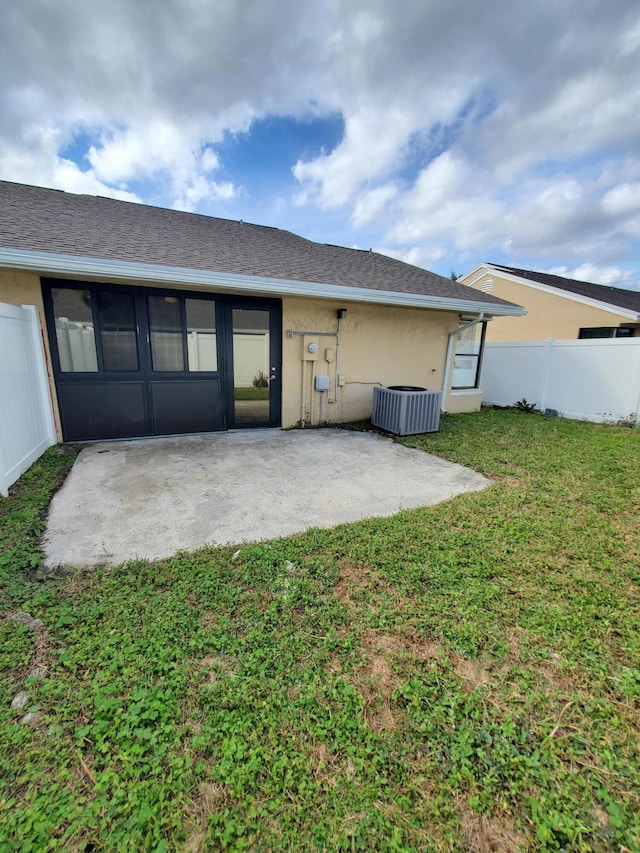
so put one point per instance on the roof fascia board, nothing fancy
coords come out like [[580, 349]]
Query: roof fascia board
[[558, 291], [472, 277], [51, 262]]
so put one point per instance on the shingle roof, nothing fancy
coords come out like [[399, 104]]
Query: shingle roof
[[45, 220], [628, 299]]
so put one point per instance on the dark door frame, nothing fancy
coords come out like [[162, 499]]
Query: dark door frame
[[274, 308], [145, 376]]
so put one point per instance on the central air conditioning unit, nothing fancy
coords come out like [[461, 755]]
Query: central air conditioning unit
[[406, 409]]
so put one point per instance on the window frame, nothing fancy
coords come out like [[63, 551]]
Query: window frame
[[478, 356], [613, 332]]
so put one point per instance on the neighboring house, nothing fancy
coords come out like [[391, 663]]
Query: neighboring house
[[557, 307], [160, 322]]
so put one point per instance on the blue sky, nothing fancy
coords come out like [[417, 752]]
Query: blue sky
[[443, 133]]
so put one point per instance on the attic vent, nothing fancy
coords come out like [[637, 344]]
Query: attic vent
[[486, 286]]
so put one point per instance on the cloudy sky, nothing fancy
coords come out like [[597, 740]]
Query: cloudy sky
[[443, 132]]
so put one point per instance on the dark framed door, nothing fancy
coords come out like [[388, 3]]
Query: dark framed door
[[254, 355], [131, 361]]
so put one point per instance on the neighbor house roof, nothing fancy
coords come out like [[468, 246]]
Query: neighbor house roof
[[628, 299], [57, 232]]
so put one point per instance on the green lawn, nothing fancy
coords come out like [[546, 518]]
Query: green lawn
[[251, 394], [461, 677]]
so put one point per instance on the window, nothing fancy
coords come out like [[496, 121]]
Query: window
[[165, 323], [605, 332], [74, 330], [468, 355], [118, 331], [202, 350]]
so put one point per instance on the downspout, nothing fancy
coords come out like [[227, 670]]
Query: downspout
[[447, 364]]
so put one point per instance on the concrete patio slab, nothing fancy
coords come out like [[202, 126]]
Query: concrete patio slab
[[150, 498]]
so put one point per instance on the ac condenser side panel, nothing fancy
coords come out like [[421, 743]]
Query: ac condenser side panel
[[406, 412]]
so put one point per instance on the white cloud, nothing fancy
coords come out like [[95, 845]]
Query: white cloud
[[199, 189], [372, 146], [622, 199], [598, 274], [447, 204], [631, 228], [532, 165], [139, 152], [416, 255], [161, 148], [67, 176], [371, 204], [209, 160], [514, 128], [151, 85], [37, 162], [454, 204]]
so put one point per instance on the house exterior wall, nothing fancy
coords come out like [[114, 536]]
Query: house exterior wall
[[21, 288], [378, 345], [460, 402], [548, 315]]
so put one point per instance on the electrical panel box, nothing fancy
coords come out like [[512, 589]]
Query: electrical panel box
[[323, 382]]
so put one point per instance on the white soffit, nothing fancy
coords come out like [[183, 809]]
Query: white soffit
[[73, 265]]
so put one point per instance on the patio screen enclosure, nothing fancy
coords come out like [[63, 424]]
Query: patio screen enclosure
[[133, 361]]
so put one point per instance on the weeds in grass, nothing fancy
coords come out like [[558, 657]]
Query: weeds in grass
[[23, 520], [465, 676]]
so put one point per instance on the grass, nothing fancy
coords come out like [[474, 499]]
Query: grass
[[465, 676], [22, 523], [251, 394]]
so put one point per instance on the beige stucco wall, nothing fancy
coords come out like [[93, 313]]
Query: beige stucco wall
[[463, 401], [548, 315], [378, 345], [21, 288]]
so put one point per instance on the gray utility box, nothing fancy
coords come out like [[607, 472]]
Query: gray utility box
[[406, 409]]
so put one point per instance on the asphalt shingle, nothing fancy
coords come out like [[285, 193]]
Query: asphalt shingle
[[38, 219], [629, 299]]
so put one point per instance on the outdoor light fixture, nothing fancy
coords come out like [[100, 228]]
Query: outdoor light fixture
[[341, 313]]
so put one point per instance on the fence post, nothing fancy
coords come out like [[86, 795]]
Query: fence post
[[4, 484], [636, 382], [548, 357]]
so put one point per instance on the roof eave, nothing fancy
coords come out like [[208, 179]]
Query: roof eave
[[57, 264], [472, 277]]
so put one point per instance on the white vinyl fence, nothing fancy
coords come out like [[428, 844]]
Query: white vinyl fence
[[596, 380], [250, 355], [77, 349], [26, 419]]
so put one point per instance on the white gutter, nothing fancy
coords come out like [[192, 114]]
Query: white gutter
[[447, 364], [54, 263]]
